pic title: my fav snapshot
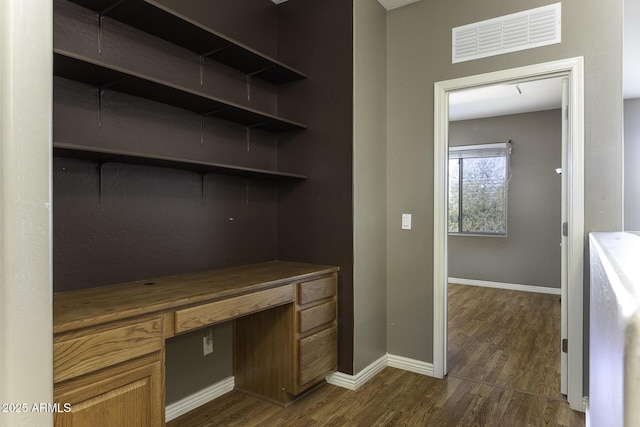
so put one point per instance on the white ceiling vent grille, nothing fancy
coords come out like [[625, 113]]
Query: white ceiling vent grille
[[523, 30]]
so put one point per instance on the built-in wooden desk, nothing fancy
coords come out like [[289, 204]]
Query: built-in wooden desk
[[109, 346]]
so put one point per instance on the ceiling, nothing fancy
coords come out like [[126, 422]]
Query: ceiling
[[631, 49], [503, 99]]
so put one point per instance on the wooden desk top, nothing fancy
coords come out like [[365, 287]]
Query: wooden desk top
[[90, 307]]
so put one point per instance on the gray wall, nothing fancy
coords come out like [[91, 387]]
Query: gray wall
[[370, 183], [530, 253], [419, 54], [632, 164]]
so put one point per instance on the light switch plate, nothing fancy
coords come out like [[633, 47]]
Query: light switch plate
[[406, 221]]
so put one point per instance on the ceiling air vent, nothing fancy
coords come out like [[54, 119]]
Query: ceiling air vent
[[519, 31]]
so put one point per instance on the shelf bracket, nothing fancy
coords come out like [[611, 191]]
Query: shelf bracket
[[214, 112], [248, 139], [246, 190], [259, 124], [107, 10], [268, 67], [100, 19], [101, 14], [201, 71], [214, 51]]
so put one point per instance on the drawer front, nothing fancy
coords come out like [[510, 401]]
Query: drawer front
[[318, 355], [94, 351], [318, 289], [316, 316], [219, 311]]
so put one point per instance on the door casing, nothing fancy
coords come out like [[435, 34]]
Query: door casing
[[573, 69]]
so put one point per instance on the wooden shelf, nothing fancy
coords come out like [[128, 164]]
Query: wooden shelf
[[76, 67], [162, 22], [106, 155]]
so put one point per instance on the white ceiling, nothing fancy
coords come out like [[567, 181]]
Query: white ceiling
[[503, 99], [631, 49]]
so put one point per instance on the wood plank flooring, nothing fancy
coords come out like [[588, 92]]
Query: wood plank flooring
[[507, 338], [493, 380]]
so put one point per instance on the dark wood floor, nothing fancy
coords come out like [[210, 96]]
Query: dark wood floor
[[507, 338], [495, 379]]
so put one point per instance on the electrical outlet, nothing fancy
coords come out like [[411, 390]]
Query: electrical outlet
[[207, 342]]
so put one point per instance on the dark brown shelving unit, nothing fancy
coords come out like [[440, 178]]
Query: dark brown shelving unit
[[157, 20], [106, 155], [86, 70]]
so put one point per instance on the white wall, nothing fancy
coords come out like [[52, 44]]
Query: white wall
[[614, 366], [26, 362]]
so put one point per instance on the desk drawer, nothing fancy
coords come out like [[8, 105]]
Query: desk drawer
[[230, 308], [316, 316], [318, 289], [318, 355], [92, 351]]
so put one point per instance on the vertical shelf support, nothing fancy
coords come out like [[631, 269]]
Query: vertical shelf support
[[100, 23], [202, 129], [201, 71]]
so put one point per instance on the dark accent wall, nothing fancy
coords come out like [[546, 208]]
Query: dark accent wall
[[115, 222], [315, 218], [251, 22]]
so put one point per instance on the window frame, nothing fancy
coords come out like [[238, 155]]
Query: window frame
[[488, 150]]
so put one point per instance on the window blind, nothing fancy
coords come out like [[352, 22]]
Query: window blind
[[496, 149]]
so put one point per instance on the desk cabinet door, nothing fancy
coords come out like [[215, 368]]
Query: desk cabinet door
[[122, 396]]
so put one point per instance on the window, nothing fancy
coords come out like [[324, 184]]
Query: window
[[478, 183]]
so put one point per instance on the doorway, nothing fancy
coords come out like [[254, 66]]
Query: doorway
[[572, 70], [504, 310]]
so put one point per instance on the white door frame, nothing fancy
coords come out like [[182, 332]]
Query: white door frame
[[573, 68]]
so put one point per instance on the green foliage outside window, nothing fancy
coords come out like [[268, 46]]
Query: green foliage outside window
[[478, 195]]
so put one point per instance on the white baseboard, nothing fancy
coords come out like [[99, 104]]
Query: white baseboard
[[411, 365], [353, 382], [199, 398], [508, 286]]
